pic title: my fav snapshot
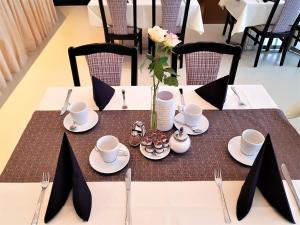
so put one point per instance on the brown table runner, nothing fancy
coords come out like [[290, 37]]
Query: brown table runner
[[38, 148]]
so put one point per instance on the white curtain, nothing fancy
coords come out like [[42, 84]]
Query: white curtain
[[23, 26]]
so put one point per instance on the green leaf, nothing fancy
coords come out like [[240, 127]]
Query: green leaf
[[170, 71], [151, 66], [171, 81], [150, 57], [159, 71], [163, 60]]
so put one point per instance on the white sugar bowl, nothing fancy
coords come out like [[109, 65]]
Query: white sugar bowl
[[180, 142]]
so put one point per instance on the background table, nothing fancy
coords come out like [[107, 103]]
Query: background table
[[250, 12], [144, 14], [158, 203]]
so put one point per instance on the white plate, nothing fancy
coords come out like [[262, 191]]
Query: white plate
[[203, 124], [234, 148], [154, 156], [93, 120], [99, 165]]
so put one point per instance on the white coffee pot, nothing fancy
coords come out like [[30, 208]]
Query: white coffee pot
[[180, 141]]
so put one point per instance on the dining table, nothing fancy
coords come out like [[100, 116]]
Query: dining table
[[249, 13], [144, 14], [163, 192]]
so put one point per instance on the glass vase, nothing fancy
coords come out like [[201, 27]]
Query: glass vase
[[153, 119]]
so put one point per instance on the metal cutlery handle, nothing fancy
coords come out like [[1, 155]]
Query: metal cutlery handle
[[37, 209], [128, 211], [235, 92], [124, 106], [238, 96], [68, 95], [225, 209], [288, 179], [66, 103]]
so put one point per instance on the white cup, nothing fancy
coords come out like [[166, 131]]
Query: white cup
[[251, 142], [192, 115], [109, 148], [79, 112]]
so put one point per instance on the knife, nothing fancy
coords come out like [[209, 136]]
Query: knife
[[288, 179], [128, 188], [66, 104], [182, 98]]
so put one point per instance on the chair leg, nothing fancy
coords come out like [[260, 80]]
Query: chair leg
[[181, 61], [282, 46], [283, 54], [269, 44], [149, 46], [297, 38], [299, 63], [244, 37], [226, 23], [259, 51], [141, 43], [230, 31], [256, 38], [136, 41]]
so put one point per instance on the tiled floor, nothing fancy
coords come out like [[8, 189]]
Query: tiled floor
[[52, 69]]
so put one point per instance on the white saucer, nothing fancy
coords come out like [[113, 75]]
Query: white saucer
[[235, 151], [99, 165], [93, 120], [203, 124], [154, 156]]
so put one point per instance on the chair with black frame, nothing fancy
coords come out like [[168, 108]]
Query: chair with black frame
[[203, 61], [285, 45], [119, 30], [282, 29], [104, 61], [170, 12], [230, 20], [297, 37]]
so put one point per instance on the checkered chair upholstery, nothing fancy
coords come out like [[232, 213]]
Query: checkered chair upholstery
[[170, 11], [117, 9], [289, 13], [202, 67], [106, 66]]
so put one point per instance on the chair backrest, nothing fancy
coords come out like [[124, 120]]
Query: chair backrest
[[170, 12], [104, 61], [106, 67], [289, 13], [203, 60], [117, 9], [118, 13], [169, 15], [271, 15]]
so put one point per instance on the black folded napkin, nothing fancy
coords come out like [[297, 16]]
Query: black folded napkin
[[266, 176], [67, 176], [102, 92], [215, 92]]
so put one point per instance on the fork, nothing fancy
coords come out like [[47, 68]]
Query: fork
[[44, 184], [124, 106], [218, 180], [240, 102]]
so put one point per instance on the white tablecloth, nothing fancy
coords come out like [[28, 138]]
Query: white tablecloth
[[159, 203], [250, 12], [23, 25], [138, 97], [144, 14]]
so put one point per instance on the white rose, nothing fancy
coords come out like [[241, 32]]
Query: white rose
[[157, 34], [171, 40]]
